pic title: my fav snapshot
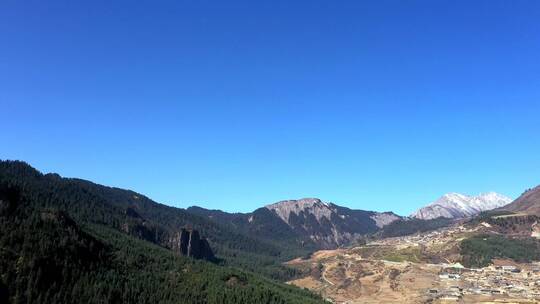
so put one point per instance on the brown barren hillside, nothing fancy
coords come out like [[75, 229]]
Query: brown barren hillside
[[528, 203]]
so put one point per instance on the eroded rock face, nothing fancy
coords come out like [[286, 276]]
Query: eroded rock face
[[314, 206], [189, 243], [384, 218], [326, 224]]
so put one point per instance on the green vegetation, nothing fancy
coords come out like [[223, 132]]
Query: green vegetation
[[263, 225], [303, 233], [65, 241], [486, 216], [478, 251], [412, 226], [410, 254], [512, 221], [507, 222], [143, 218]]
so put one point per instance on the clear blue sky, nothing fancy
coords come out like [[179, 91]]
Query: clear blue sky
[[378, 105]]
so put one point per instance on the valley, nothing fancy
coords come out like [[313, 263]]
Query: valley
[[269, 152], [421, 268], [292, 251]]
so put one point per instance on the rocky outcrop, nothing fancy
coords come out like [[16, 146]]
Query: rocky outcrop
[[308, 223], [186, 242], [384, 218], [189, 243], [326, 224], [314, 206]]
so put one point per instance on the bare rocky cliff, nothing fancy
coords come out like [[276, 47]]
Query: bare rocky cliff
[[188, 242], [327, 224]]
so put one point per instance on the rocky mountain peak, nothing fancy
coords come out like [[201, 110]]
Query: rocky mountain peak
[[384, 218], [302, 203], [312, 205], [457, 205], [455, 196], [327, 224]]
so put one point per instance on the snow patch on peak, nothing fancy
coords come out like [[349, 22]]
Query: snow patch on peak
[[456, 205]]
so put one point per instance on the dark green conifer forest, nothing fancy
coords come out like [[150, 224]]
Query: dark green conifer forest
[[72, 241]]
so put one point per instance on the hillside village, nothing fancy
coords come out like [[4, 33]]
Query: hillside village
[[421, 268]]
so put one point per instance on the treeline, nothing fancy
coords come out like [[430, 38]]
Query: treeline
[[143, 218], [480, 250], [514, 222], [262, 224], [63, 241], [411, 226]]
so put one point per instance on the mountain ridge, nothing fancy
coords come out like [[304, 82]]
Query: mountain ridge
[[528, 202], [139, 216], [76, 241], [309, 222], [456, 205]]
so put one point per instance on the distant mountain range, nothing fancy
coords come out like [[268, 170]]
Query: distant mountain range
[[75, 241], [312, 223], [328, 224], [90, 233], [309, 222], [456, 205]]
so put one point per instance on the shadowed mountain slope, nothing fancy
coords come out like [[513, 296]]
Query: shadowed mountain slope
[[139, 216], [309, 222]]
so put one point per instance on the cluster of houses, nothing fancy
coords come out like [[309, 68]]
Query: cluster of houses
[[456, 282], [427, 238], [497, 281]]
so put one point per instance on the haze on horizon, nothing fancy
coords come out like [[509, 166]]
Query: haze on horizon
[[379, 106]]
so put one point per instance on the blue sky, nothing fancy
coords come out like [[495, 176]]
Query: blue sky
[[378, 105]]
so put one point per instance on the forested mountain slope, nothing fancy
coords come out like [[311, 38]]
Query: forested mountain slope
[[263, 224], [306, 223], [69, 240], [141, 217]]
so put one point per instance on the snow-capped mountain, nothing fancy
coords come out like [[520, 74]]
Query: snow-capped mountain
[[456, 205]]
